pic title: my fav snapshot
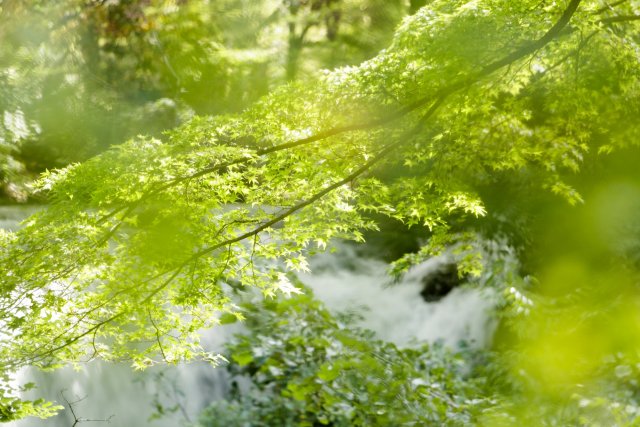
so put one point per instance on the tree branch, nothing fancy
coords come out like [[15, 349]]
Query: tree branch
[[609, 7], [620, 18], [535, 45], [525, 50]]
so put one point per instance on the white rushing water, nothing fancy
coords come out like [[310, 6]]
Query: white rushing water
[[397, 312], [343, 280], [10, 216]]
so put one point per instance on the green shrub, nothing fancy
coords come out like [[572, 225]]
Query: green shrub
[[308, 368]]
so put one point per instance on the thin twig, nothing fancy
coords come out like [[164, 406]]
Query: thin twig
[[76, 419]]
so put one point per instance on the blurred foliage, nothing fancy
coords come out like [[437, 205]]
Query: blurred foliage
[[79, 76], [574, 352]]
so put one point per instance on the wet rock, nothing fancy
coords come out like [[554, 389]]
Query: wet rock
[[440, 282]]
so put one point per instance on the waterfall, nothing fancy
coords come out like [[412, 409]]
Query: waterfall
[[113, 392], [344, 281], [10, 216], [397, 312]]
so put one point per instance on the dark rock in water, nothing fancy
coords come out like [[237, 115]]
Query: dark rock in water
[[439, 283], [392, 240]]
